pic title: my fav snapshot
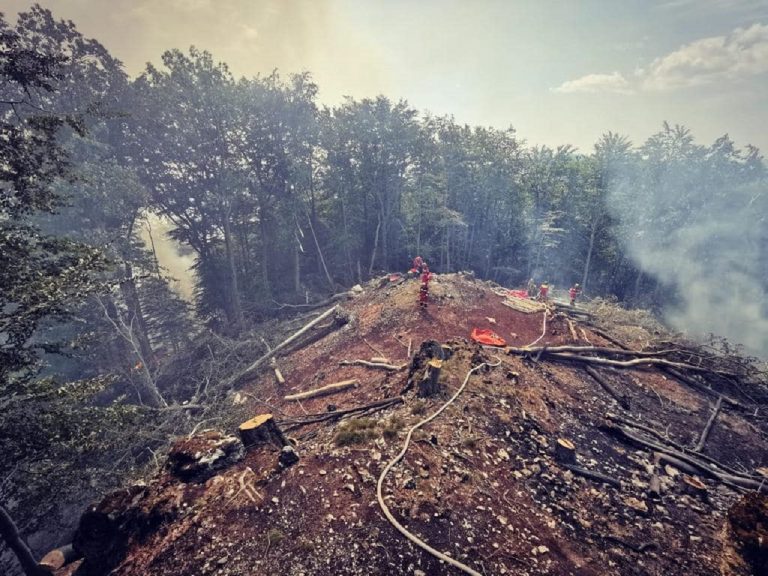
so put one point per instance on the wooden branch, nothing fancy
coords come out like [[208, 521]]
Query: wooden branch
[[645, 361], [325, 390], [680, 448], [704, 433], [381, 365], [339, 414], [572, 329], [323, 304], [240, 375], [10, 533], [588, 349], [622, 399], [738, 482], [592, 475], [701, 387], [278, 374]]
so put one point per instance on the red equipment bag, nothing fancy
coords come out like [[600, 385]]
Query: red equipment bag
[[487, 337]]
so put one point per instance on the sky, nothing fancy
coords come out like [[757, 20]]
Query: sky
[[559, 72]]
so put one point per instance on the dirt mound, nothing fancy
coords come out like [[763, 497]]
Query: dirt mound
[[480, 483]]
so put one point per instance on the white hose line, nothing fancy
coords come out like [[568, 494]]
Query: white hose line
[[396, 459], [543, 331]]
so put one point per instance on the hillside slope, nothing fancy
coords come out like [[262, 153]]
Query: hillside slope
[[480, 483]]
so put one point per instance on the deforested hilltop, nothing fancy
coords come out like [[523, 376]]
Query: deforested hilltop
[[572, 449]]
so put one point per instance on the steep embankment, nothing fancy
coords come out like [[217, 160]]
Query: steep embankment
[[480, 483]]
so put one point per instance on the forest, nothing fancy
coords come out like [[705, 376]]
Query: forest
[[281, 202]]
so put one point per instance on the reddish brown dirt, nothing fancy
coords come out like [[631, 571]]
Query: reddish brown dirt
[[479, 483]]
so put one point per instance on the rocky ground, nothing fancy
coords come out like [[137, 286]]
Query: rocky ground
[[480, 483]]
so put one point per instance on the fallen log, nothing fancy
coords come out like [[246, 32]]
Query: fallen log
[[381, 365], [592, 475], [705, 433], [637, 362], [672, 461], [679, 447], [58, 558], [339, 414], [312, 306], [588, 349], [325, 390], [262, 430], [622, 399], [737, 482], [702, 388], [240, 375]]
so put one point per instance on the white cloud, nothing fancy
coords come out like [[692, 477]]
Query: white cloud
[[739, 55], [592, 83]]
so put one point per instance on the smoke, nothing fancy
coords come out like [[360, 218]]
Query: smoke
[[706, 243], [176, 263]]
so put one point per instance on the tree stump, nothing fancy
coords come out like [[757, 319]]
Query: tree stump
[[429, 385], [262, 430], [58, 558], [565, 451]]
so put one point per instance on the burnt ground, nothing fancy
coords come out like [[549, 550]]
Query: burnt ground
[[479, 483]]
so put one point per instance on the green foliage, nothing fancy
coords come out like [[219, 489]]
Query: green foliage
[[356, 431]]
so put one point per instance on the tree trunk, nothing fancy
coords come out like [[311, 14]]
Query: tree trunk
[[585, 277], [375, 246], [331, 283], [10, 533], [237, 309], [135, 315]]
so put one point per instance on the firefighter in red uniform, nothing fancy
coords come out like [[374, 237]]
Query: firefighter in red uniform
[[573, 292], [543, 291], [426, 276]]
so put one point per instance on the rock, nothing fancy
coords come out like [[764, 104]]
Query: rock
[[356, 289], [637, 505], [288, 457]]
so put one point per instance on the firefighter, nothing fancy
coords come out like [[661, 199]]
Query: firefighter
[[543, 291], [426, 276], [573, 292], [531, 289], [418, 264]]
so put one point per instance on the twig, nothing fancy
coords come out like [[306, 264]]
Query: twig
[[708, 427]]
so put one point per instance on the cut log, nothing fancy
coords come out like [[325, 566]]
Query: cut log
[[622, 399], [565, 451], [262, 430], [325, 390], [58, 558], [705, 433], [429, 385], [278, 373], [380, 360], [572, 329], [380, 365], [592, 475]]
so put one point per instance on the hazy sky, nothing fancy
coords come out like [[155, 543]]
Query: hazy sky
[[559, 72]]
